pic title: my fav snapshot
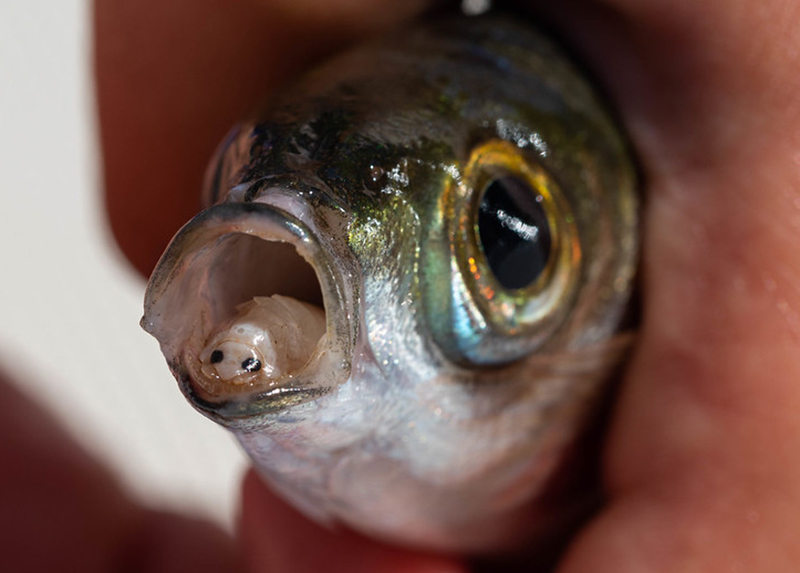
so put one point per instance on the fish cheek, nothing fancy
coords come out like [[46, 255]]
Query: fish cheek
[[386, 244]]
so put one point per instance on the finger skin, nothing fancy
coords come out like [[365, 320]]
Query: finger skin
[[702, 464], [60, 510], [53, 498]]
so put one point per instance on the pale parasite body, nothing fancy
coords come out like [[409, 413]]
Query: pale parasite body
[[406, 294]]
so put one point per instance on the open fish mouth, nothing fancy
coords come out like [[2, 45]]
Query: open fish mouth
[[251, 312]]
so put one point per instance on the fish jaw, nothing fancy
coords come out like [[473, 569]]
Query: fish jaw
[[218, 261]]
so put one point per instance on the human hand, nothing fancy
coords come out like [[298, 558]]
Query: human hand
[[698, 464]]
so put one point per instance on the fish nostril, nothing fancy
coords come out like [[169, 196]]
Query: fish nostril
[[217, 356]]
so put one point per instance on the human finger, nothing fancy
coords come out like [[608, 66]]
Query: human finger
[[60, 510], [700, 463], [173, 76]]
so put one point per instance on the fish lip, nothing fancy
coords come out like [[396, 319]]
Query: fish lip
[[194, 244]]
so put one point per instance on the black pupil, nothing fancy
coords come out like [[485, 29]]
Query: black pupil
[[217, 356], [514, 232], [251, 365]]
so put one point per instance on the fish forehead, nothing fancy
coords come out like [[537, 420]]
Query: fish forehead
[[415, 105]]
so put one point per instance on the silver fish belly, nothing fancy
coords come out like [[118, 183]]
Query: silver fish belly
[[405, 297]]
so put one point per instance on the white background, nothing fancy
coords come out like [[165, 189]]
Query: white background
[[69, 304]]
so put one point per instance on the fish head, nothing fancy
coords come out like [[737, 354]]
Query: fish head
[[459, 205]]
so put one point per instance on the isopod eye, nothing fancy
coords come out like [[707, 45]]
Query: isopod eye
[[231, 360], [250, 365], [514, 232]]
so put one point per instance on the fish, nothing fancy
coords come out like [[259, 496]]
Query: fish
[[411, 288]]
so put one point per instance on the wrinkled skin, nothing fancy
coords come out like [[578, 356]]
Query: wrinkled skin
[[700, 461]]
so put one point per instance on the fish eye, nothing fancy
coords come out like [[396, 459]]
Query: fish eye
[[250, 365], [515, 258], [514, 232]]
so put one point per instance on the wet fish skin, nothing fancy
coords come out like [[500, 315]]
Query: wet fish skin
[[428, 415]]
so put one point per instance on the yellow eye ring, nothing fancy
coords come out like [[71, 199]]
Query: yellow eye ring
[[537, 308]]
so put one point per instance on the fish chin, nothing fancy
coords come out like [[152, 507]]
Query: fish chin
[[283, 276]]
